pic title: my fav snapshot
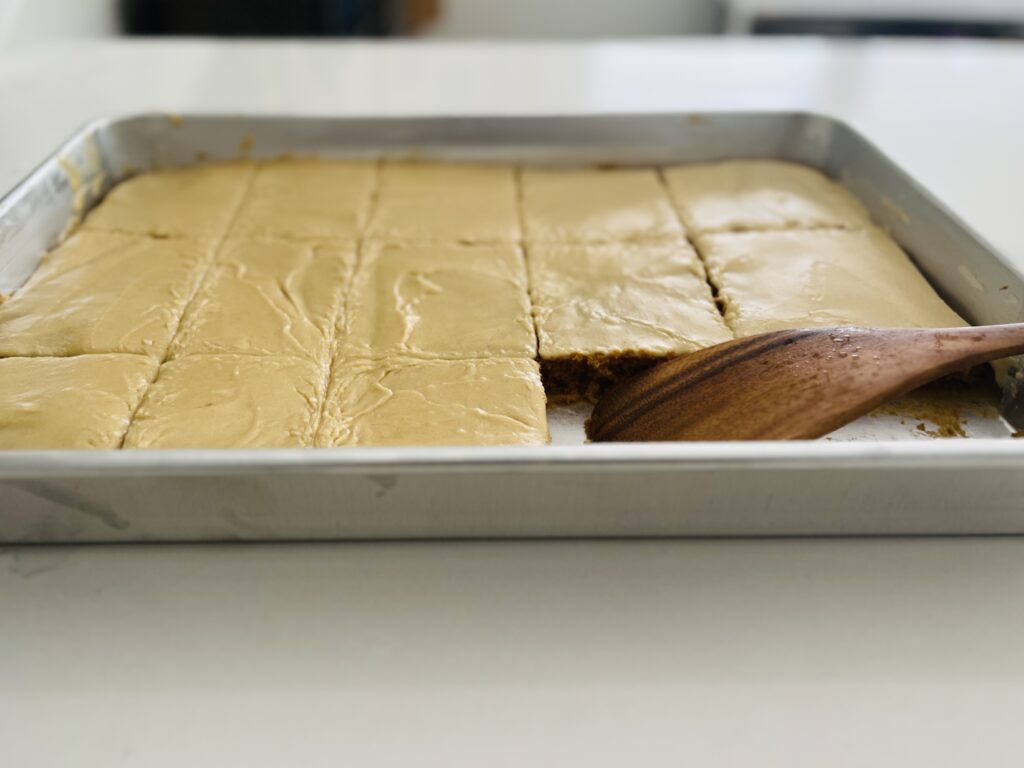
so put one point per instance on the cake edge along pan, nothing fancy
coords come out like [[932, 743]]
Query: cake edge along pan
[[962, 486]]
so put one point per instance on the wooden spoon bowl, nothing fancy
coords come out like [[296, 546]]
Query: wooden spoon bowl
[[789, 385]]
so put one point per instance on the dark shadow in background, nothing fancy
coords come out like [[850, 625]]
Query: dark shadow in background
[[867, 27], [270, 18]]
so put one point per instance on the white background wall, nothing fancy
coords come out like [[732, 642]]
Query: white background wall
[[24, 23]]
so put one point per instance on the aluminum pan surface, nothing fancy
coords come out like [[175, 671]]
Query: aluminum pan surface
[[965, 269]]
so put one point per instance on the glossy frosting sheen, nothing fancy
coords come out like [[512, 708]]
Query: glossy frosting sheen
[[270, 297], [104, 292], [590, 205], [775, 280], [200, 200], [440, 301], [446, 204], [617, 299], [307, 200], [70, 402], [760, 194], [437, 402], [229, 401]]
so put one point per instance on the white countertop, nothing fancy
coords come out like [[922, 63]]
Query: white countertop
[[787, 653]]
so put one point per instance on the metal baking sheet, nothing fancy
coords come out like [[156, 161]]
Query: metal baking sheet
[[883, 475]]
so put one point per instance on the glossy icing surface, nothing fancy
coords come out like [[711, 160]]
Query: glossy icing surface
[[104, 292], [592, 205], [618, 299], [435, 402], [268, 297], [774, 280], [440, 301], [229, 401], [446, 204], [747, 195], [70, 402], [318, 200], [200, 201]]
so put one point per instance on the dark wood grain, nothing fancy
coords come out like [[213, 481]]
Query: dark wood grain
[[789, 385]]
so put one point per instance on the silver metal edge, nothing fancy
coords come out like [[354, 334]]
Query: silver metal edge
[[752, 455], [674, 456], [10, 198], [922, 190]]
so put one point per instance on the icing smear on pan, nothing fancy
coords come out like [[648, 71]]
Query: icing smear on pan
[[86, 181]]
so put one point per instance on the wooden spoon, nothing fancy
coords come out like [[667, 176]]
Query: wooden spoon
[[789, 385]]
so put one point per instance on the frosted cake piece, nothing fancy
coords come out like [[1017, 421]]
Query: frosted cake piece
[[746, 195], [70, 402], [596, 206], [434, 402], [605, 311], [321, 200], [443, 301], [268, 297], [230, 401], [197, 201], [104, 292], [770, 281], [446, 204]]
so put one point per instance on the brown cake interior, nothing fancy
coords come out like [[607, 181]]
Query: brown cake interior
[[569, 379]]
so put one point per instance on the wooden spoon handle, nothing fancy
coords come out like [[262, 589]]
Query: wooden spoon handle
[[946, 350], [971, 346]]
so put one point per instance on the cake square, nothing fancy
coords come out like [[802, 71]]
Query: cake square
[[596, 206], [618, 299], [444, 301], [104, 292], [770, 281], [605, 311], [268, 297], [434, 402], [70, 402], [312, 199], [230, 401], [198, 201], [446, 204], [746, 195]]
